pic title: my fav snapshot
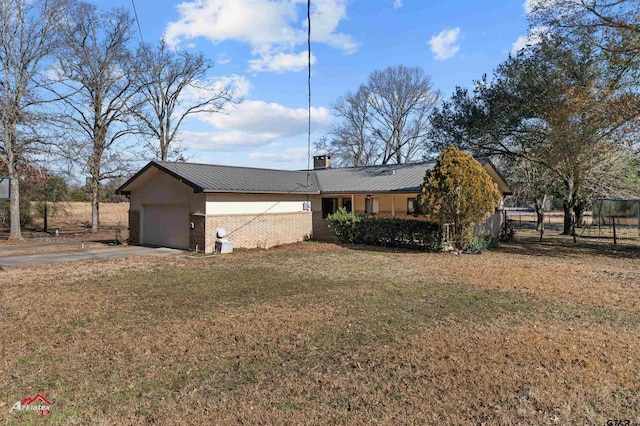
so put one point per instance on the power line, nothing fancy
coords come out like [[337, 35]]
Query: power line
[[309, 89], [135, 13]]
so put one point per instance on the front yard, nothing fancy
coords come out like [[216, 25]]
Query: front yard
[[320, 334]]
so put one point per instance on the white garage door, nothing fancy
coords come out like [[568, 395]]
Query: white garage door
[[166, 226]]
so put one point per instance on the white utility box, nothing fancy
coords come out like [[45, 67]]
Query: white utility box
[[223, 245]]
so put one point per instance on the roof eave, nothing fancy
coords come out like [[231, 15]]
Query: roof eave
[[375, 191], [240, 191], [486, 160], [196, 188]]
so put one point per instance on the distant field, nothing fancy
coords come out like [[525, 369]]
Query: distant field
[[73, 214], [557, 218], [528, 334]]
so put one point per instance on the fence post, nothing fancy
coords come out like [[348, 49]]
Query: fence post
[[615, 238], [46, 227]]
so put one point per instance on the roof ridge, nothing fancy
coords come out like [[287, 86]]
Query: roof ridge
[[228, 166], [413, 163]]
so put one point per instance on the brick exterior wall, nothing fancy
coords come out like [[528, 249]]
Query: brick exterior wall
[[197, 233], [264, 231], [134, 227], [321, 231]]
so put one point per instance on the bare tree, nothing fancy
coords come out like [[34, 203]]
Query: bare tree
[[27, 38], [401, 99], [97, 86], [351, 142], [386, 120], [164, 75]]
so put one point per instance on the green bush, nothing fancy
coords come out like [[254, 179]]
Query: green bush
[[482, 242], [403, 233], [119, 234], [458, 191]]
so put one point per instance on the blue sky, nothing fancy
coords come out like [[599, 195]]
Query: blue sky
[[259, 46]]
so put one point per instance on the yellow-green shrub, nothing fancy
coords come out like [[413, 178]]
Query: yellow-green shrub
[[458, 191]]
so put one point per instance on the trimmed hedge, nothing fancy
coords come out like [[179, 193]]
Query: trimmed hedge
[[403, 233]]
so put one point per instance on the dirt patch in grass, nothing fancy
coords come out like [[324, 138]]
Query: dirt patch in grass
[[321, 334]]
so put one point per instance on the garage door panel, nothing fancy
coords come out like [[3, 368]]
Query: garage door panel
[[166, 226]]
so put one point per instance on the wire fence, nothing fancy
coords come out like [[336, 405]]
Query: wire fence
[[590, 225]]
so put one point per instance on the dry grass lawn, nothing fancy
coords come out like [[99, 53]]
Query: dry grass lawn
[[320, 334]]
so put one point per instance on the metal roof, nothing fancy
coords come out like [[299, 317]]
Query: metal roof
[[372, 179], [214, 178]]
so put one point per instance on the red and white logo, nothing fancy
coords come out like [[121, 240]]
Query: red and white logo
[[37, 404]]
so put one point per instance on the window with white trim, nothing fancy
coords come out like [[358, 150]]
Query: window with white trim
[[412, 205], [371, 205]]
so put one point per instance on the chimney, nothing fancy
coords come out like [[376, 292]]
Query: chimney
[[321, 162]]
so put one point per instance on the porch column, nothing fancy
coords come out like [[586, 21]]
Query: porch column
[[353, 203], [393, 206]]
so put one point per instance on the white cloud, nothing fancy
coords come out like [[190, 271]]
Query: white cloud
[[220, 141], [239, 84], [272, 118], [534, 37], [272, 28], [531, 6], [281, 62], [397, 4], [222, 59], [252, 124], [445, 45], [563, 8], [289, 155], [325, 18]]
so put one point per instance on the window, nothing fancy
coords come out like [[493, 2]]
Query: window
[[412, 204], [329, 206], [371, 205]]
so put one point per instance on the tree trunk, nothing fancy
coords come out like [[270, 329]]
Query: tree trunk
[[539, 207], [15, 233], [578, 211], [95, 204], [164, 149], [568, 218], [14, 207], [539, 218]]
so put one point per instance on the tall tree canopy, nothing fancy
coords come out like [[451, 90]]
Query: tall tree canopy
[[385, 120], [28, 36], [563, 105], [164, 77], [616, 23], [97, 83]]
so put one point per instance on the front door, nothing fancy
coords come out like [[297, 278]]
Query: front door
[[347, 204]]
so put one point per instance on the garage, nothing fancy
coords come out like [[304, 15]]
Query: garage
[[166, 226]]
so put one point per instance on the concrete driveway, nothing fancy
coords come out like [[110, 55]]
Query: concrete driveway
[[88, 254]]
